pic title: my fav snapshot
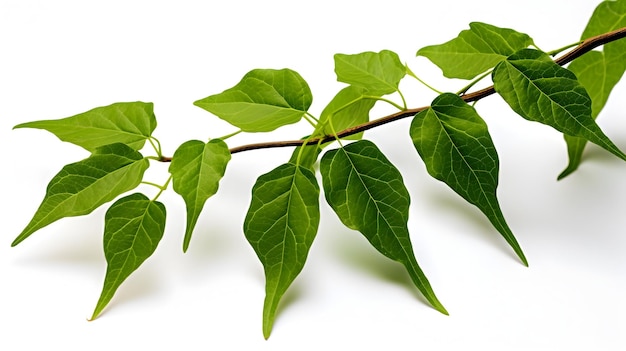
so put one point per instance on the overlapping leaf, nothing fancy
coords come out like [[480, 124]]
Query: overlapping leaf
[[196, 170], [350, 107], [306, 156], [475, 50], [81, 187], [133, 228], [540, 90], [598, 71], [281, 224], [130, 123], [368, 194], [457, 149], [379, 73], [265, 99]]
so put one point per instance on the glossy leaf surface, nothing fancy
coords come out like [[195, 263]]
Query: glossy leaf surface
[[81, 187], [368, 194], [540, 90], [475, 50], [265, 99], [130, 123], [133, 228], [379, 73], [196, 170], [281, 224], [457, 149], [598, 71]]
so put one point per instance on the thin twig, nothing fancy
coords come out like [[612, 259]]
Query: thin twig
[[584, 47]]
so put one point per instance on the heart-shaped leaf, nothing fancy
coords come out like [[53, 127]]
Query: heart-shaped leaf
[[540, 90], [81, 187], [130, 123], [196, 170], [265, 99], [377, 72], [133, 228], [475, 50], [281, 224], [457, 149]]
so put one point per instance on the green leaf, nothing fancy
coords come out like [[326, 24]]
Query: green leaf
[[457, 149], [377, 72], [598, 71], [307, 157], [540, 90], [350, 107], [368, 194], [281, 224], [130, 123], [196, 170], [262, 101], [133, 228], [81, 187], [475, 50]]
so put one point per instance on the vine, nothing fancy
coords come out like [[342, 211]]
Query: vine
[[365, 190]]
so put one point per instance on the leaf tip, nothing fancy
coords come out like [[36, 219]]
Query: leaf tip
[[267, 328], [443, 310]]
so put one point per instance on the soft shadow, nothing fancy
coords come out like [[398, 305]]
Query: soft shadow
[[356, 252], [478, 225], [140, 286]]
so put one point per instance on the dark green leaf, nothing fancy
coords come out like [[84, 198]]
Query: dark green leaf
[[280, 225], [368, 194], [262, 101], [457, 149], [377, 72], [350, 107], [133, 227], [81, 187], [130, 123], [540, 90], [196, 170], [475, 50], [598, 71]]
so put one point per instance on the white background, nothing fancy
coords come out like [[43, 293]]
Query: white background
[[59, 58]]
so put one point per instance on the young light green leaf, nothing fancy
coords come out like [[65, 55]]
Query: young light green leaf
[[130, 123], [262, 101], [133, 228], [475, 50], [81, 187], [377, 72], [540, 90], [196, 170], [368, 194], [306, 156], [350, 107], [457, 149], [281, 224], [598, 71]]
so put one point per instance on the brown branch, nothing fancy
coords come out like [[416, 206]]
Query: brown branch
[[582, 48]]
